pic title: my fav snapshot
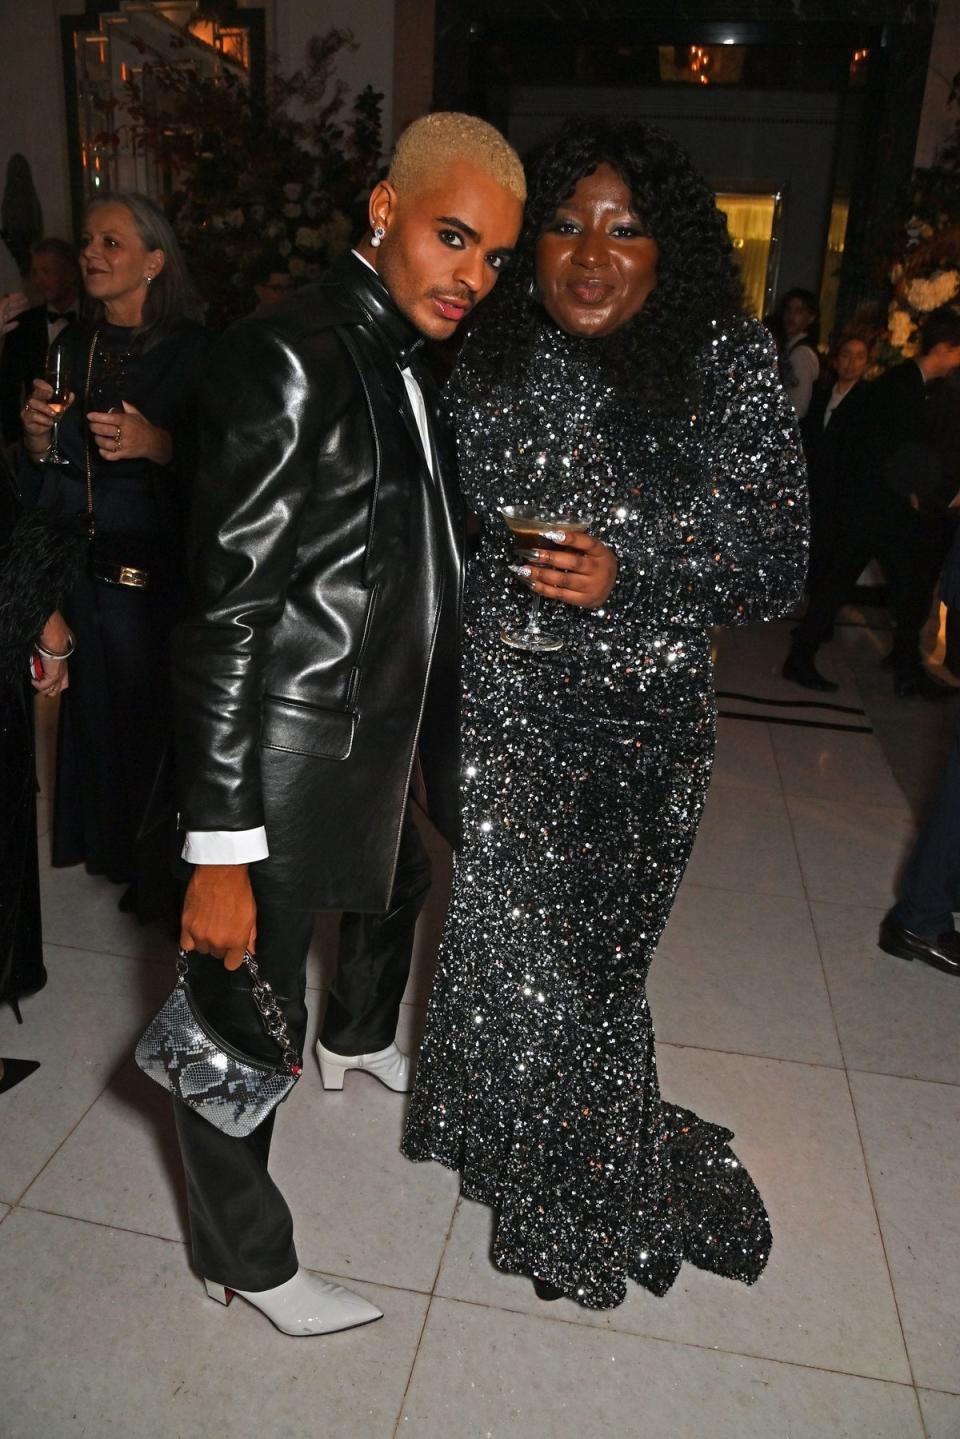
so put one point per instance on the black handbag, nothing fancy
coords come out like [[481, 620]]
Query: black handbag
[[181, 1052]]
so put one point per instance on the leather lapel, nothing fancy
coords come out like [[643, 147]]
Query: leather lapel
[[396, 391]]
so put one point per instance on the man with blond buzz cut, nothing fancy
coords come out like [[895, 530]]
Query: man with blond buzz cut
[[317, 676]]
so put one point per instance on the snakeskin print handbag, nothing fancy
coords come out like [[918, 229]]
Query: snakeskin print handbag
[[181, 1052]]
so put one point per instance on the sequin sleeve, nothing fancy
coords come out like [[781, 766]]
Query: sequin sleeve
[[734, 550]]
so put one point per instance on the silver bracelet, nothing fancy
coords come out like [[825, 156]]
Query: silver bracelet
[[49, 655]]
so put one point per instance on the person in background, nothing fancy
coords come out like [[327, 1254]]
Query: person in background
[[878, 515], [825, 431], [271, 281], [127, 440], [37, 562], [796, 328], [55, 274], [921, 925]]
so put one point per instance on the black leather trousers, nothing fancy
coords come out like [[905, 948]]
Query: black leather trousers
[[240, 1226]]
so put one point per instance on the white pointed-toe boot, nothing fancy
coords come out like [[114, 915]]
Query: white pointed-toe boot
[[391, 1066], [305, 1304]]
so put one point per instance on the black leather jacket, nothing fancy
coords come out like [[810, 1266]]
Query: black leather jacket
[[326, 566]]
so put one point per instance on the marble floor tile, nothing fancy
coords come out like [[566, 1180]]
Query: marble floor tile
[[825, 1298], [745, 843], [80, 909], [892, 1017], [850, 853], [73, 971], [111, 1335], [742, 972], [145, 1194], [835, 766], [751, 662], [480, 1373], [941, 1414], [359, 1206], [909, 1132], [744, 757], [80, 1040], [4, 1211]]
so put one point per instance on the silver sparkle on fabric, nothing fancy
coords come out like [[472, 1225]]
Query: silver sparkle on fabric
[[584, 778]]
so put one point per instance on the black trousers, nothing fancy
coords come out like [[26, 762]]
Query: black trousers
[[240, 1226], [876, 527], [930, 887]]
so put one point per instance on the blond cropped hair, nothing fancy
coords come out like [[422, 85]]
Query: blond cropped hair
[[431, 143]]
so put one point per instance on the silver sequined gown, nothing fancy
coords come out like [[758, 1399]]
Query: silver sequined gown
[[585, 773]]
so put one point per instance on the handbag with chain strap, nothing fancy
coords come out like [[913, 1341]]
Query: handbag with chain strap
[[184, 1054]]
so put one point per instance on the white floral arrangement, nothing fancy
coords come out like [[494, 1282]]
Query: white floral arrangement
[[927, 277]]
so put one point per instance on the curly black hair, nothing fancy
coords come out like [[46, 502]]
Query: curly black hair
[[653, 358]]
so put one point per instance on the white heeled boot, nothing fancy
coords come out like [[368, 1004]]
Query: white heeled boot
[[304, 1305], [391, 1066]]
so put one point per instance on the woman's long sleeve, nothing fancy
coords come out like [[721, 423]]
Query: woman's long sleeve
[[737, 551]]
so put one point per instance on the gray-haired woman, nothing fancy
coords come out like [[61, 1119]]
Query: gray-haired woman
[[125, 440]]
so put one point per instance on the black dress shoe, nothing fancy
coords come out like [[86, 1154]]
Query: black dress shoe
[[804, 672], [544, 1290], [919, 682], [942, 953], [14, 1070]]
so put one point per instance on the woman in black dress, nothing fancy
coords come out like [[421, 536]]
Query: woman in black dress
[[611, 378], [126, 439]]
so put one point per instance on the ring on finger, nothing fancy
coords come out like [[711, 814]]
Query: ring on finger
[[117, 436]]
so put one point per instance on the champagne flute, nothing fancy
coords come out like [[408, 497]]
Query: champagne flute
[[57, 376], [532, 528]]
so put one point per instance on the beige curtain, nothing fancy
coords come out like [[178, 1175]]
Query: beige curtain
[[750, 223]]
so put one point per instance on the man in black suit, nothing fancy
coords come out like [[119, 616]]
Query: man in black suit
[[55, 274], [921, 925], [879, 519], [317, 680]]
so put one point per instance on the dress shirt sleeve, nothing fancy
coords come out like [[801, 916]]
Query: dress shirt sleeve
[[738, 554], [225, 846]]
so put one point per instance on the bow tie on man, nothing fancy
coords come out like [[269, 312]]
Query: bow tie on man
[[54, 316]]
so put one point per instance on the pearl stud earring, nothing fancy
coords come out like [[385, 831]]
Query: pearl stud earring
[[377, 236]]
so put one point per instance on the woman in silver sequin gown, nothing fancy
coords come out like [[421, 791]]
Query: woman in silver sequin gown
[[629, 391]]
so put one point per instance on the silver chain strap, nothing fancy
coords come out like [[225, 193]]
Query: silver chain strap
[[266, 1002]]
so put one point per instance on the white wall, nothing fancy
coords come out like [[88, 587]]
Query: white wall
[[32, 113]]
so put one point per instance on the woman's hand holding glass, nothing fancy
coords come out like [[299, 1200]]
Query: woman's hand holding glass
[[128, 435], [582, 573], [39, 418]]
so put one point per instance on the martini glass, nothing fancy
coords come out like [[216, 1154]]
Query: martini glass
[[535, 529]]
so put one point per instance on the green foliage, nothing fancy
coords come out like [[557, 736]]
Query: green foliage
[[243, 177]]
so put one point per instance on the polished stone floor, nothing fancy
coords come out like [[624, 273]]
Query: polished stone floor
[[838, 1068]]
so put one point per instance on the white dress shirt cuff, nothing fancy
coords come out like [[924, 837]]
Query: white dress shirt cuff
[[225, 846]]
